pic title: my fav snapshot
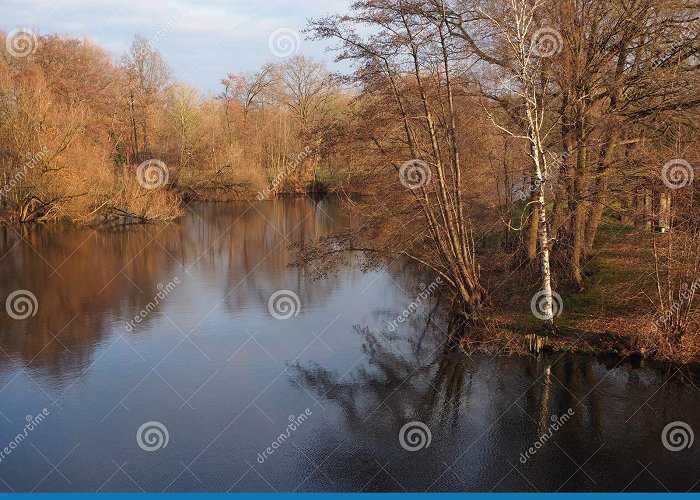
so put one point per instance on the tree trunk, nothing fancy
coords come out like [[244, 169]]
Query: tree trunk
[[532, 235]]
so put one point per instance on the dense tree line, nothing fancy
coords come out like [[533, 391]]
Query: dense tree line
[[78, 124], [492, 139], [517, 127]]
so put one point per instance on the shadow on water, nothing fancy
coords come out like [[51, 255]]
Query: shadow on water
[[223, 375], [603, 420]]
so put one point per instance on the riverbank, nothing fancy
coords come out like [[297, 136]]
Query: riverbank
[[615, 314], [133, 206], [505, 337], [600, 320]]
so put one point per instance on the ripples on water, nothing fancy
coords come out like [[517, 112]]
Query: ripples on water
[[223, 376]]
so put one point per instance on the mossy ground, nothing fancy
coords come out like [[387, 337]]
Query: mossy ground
[[614, 306]]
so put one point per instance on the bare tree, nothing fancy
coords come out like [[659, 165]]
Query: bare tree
[[407, 66], [146, 75]]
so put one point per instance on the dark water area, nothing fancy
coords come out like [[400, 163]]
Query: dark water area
[[151, 359]]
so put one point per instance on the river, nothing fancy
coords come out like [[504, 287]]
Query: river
[[152, 358]]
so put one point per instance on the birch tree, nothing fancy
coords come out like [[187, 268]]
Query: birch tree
[[521, 50]]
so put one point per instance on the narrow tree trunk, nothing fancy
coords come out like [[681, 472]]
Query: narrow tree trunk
[[579, 210], [543, 240], [532, 235]]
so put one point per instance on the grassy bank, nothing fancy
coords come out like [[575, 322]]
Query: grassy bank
[[615, 312]]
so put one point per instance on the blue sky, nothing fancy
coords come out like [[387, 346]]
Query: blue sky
[[201, 41]]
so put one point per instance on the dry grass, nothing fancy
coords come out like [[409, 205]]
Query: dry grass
[[83, 191], [156, 204]]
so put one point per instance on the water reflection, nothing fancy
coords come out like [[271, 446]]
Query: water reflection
[[485, 413], [88, 281], [223, 375]]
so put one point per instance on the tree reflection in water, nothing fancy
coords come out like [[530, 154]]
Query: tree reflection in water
[[485, 411]]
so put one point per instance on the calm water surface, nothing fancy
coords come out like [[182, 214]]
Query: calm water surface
[[214, 368]]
